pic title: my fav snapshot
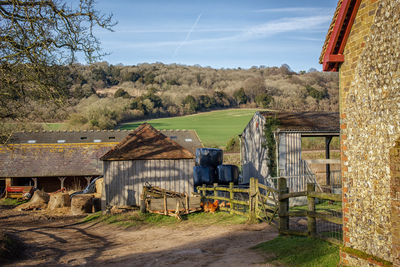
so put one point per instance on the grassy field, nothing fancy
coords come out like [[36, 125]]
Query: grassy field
[[299, 251], [214, 128]]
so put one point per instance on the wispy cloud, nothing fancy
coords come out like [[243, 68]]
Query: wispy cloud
[[292, 10], [187, 35], [178, 30], [296, 24], [284, 25]]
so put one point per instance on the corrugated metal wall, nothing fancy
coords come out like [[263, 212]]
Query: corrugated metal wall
[[291, 165], [124, 180], [253, 154]]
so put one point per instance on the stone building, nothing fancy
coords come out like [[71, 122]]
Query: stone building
[[363, 44]]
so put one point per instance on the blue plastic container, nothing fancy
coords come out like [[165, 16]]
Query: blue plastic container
[[204, 175], [228, 174], [209, 157]]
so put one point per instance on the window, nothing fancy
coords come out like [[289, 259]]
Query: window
[[188, 140], [173, 137], [60, 141], [111, 137], [31, 141], [97, 141], [83, 138]]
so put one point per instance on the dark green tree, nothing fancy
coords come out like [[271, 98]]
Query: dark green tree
[[240, 96]]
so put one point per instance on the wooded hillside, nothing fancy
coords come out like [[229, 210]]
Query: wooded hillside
[[100, 95]]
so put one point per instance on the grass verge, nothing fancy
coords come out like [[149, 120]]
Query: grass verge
[[11, 202], [299, 251], [138, 219]]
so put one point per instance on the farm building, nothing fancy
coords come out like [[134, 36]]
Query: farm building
[[288, 130], [56, 159], [363, 44], [145, 156]]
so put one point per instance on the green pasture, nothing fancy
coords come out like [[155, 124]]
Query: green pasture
[[214, 128]]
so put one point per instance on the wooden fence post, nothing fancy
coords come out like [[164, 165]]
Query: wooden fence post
[[311, 221], [252, 202], [143, 197], [165, 205], [283, 205], [231, 208], [215, 190]]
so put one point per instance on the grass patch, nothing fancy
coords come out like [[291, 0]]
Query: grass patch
[[300, 251], [57, 126], [214, 128], [323, 206], [138, 219], [11, 202], [220, 218]]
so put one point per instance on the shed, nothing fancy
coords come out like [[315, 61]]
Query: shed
[[145, 156], [290, 128], [56, 159], [363, 45]]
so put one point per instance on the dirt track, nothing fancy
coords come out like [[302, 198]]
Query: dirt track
[[64, 241]]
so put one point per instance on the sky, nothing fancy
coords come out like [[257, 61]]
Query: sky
[[217, 33]]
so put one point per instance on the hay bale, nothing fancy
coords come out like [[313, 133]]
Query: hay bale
[[59, 200], [38, 201], [82, 204], [99, 187]]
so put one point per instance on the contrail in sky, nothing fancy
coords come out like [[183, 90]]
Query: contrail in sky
[[188, 34]]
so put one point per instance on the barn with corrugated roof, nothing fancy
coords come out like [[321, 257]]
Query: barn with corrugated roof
[[145, 156], [50, 160]]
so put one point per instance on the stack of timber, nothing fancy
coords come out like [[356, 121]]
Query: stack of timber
[[167, 202]]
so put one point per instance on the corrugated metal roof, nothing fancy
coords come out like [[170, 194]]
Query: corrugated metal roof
[[306, 121], [186, 138], [54, 137], [147, 143]]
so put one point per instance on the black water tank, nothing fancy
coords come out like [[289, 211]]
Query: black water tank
[[204, 175], [209, 157], [228, 174]]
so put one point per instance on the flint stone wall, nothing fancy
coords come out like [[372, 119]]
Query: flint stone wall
[[370, 124]]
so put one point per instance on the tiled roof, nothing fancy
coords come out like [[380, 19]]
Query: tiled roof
[[147, 143], [306, 121]]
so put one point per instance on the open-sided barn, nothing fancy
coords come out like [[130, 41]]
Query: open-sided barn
[[288, 130], [145, 156]]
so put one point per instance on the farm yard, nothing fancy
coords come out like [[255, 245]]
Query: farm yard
[[134, 239], [197, 241]]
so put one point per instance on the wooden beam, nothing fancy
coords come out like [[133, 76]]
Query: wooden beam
[[327, 156], [349, 26], [336, 58]]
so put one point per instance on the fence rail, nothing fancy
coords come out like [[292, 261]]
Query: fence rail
[[258, 201], [311, 214], [261, 202]]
